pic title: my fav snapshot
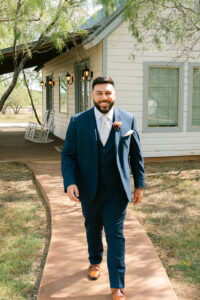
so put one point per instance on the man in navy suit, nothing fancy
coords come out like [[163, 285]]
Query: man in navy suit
[[101, 145]]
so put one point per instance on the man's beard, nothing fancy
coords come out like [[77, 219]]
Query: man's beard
[[104, 110]]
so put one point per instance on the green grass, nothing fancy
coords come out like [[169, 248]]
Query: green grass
[[22, 117], [23, 233], [170, 213]]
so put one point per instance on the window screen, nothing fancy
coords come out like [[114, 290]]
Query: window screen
[[163, 97], [196, 98]]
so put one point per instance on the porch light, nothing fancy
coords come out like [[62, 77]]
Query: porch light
[[51, 82], [42, 84], [87, 74], [69, 78]]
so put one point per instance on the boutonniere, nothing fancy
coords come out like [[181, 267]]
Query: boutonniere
[[116, 125]]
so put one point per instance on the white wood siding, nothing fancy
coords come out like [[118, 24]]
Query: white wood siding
[[62, 64], [128, 76]]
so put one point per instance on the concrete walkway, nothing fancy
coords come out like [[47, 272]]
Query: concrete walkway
[[65, 272]]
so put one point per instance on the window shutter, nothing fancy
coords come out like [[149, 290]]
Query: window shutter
[[196, 98], [49, 94], [163, 96]]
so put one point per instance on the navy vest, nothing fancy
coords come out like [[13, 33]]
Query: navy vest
[[108, 173]]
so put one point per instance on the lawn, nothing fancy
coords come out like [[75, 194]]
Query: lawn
[[22, 117], [170, 213], [24, 233]]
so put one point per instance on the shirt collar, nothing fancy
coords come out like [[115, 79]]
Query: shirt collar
[[99, 115]]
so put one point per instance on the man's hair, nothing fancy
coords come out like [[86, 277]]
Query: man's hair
[[102, 80]]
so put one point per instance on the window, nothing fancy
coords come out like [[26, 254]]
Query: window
[[194, 99], [82, 98], [163, 97], [62, 94]]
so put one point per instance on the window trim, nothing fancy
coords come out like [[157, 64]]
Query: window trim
[[77, 77], [179, 128], [189, 100]]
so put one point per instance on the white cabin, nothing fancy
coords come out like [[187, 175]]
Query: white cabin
[[162, 91]]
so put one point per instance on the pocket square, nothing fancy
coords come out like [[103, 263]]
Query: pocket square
[[129, 132]]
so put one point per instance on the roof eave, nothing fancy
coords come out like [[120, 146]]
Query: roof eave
[[103, 31]]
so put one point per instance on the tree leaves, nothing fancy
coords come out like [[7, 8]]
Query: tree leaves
[[175, 22], [25, 21]]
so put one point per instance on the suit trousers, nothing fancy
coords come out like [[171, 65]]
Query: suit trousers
[[108, 211]]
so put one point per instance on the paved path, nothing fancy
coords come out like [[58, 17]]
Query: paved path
[[65, 272]]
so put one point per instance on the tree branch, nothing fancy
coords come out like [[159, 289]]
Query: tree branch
[[15, 36], [19, 65], [6, 78], [21, 20], [31, 98]]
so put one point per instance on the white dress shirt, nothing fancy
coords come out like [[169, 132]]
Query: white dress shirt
[[99, 118]]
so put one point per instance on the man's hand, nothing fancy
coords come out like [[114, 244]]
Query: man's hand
[[138, 194], [73, 193]]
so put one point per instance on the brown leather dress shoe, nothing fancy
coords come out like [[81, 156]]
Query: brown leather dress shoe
[[94, 272], [118, 294]]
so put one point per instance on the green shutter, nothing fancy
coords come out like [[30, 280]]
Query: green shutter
[[196, 98], [49, 94], [163, 96]]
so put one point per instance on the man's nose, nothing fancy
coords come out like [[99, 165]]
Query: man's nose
[[104, 96]]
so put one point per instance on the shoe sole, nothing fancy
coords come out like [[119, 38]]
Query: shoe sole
[[93, 278]]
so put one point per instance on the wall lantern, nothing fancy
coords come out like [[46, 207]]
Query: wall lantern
[[51, 82], [86, 74], [42, 84], [69, 78], [82, 77]]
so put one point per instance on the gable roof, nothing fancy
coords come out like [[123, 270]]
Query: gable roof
[[106, 26], [98, 27], [95, 20]]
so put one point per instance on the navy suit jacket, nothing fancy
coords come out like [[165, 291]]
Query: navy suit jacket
[[79, 157]]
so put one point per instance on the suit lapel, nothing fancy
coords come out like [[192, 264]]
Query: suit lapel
[[117, 117], [93, 130]]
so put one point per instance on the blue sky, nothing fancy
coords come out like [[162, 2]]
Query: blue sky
[[92, 9]]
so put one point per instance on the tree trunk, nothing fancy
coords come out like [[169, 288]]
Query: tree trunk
[[4, 109], [19, 67], [32, 104], [9, 89]]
